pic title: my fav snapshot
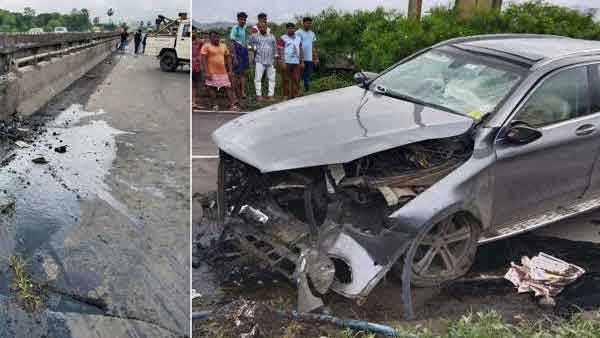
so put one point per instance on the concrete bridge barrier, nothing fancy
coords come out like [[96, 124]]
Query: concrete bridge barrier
[[25, 90]]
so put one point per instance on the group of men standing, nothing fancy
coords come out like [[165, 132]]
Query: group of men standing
[[294, 53], [138, 41]]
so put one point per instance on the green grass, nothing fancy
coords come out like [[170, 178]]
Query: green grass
[[490, 324], [24, 287]]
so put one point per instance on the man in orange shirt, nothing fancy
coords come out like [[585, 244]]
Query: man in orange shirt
[[214, 57]]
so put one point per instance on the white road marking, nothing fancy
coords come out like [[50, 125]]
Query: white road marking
[[204, 157]]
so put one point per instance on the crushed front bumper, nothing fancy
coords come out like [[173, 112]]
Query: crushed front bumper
[[350, 262]]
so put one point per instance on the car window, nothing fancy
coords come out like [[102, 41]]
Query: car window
[[186, 31], [467, 84], [596, 89], [561, 97]]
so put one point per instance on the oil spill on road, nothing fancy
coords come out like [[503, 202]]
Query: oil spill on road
[[47, 197]]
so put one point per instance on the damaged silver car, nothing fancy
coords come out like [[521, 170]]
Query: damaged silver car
[[466, 142]]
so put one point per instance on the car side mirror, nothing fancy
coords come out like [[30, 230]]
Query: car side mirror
[[522, 134], [363, 77]]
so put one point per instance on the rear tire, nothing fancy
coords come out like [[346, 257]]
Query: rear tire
[[168, 61], [445, 253]]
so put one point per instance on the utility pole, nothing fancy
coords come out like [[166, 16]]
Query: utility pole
[[466, 8], [414, 9]]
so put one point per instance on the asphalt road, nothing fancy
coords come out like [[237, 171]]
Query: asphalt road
[[104, 227], [203, 124]]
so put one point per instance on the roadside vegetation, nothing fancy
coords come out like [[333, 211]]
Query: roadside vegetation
[[473, 325], [78, 20], [27, 292]]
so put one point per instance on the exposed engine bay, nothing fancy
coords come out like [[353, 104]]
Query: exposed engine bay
[[327, 227]]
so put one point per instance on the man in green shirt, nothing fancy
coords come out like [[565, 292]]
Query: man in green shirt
[[240, 52]]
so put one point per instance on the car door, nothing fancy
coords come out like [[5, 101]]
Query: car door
[[594, 187], [184, 42], [554, 169]]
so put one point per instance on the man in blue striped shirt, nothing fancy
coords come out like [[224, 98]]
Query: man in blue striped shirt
[[265, 51]]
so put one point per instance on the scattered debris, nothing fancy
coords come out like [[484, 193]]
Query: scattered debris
[[7, 159], [6, 205], [61, 149], [21, 144], [40, 160], [543, 274]]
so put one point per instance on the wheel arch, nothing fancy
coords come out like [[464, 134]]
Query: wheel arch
[[165, 50]]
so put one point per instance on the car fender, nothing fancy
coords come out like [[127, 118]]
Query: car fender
[[468, 188]]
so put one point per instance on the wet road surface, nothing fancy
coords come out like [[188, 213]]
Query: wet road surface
[[104, 226]]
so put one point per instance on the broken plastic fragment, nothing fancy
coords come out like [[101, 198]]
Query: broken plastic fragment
[[254, 214]]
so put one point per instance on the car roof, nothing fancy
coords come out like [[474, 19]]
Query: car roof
[[528, 49]]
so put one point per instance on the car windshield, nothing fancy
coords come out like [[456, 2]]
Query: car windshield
[[456, 81]]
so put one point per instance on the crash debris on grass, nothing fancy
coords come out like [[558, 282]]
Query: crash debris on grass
[[544, 275]]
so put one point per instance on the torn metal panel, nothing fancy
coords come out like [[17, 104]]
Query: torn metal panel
[[330, 228]]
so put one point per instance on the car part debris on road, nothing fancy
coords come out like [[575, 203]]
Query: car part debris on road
[[40, 160], [543, 274]]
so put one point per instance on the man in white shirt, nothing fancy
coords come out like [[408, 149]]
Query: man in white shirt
[[262, 18]]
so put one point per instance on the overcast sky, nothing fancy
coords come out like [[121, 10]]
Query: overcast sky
[[283, 10], [125, 10]]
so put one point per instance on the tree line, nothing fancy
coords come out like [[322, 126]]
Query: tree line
[[375, 39], [78, 20]]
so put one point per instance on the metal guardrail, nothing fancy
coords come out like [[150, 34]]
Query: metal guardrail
[[33, 59], [23, 40], [20, 48]]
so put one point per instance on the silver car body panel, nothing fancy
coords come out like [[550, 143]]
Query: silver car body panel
[[332, 127], [342, 125]]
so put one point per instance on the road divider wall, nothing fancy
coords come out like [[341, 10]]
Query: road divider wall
[[25, 90]]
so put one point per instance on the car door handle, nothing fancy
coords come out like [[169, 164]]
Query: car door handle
[[586, 129]]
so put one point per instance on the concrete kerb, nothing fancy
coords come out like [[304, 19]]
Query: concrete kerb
[[31, 87]]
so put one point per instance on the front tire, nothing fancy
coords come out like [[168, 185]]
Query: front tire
[[168, 61], [445, 253]]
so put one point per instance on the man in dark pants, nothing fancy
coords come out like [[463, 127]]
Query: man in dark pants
[[124, 37], [137, 39], [292, 62], [144, 42], [308, 38], [239, 53]]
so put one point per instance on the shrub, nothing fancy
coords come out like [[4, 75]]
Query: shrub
[[376, 39]]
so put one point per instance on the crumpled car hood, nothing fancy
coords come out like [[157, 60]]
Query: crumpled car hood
[[337, 126]]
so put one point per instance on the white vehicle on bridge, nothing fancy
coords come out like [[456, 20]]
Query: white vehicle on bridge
[[36, 30], [60, 30], [171, 43]]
